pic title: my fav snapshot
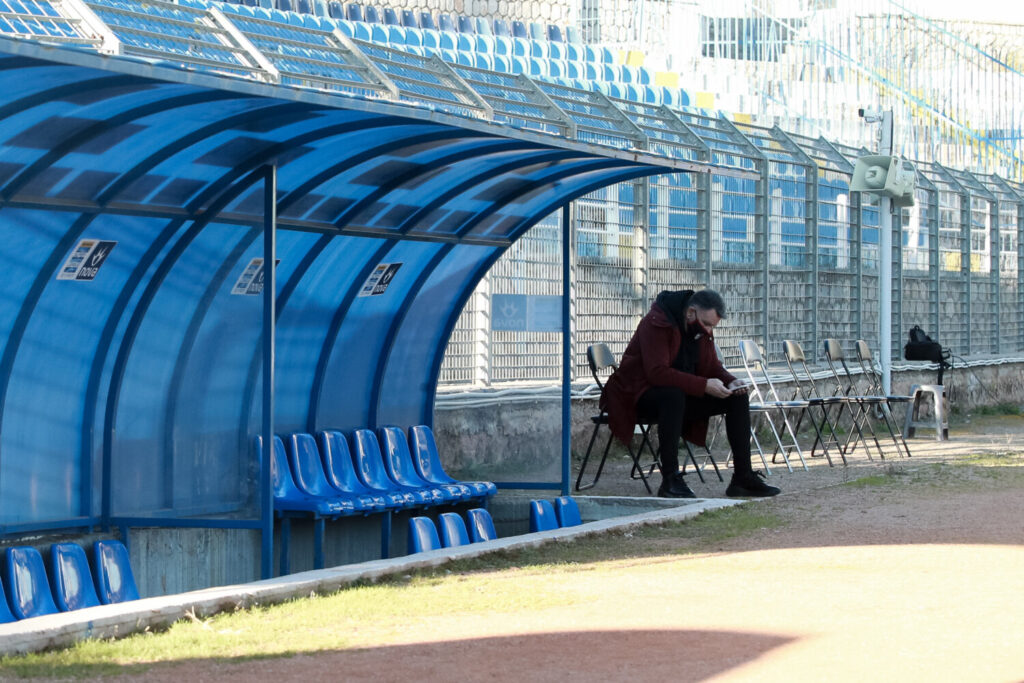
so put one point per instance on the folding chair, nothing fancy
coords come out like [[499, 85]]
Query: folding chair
[[865, 403], [874, 381], [806, 389], [600, 359], [709, 443], [765, 404]]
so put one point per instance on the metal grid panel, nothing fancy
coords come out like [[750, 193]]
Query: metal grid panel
[[666, 133], [44, 20], [611, 287], [919, 255], [790, 257], [672, 217], [531, 266], [466, 351], [513, 99], [727, 148], [596, 119], [1011, 208], [954, 288]]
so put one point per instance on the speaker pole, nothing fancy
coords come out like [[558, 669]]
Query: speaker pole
[[885, 256]]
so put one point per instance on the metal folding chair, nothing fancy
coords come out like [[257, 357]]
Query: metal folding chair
[[861, 404], [601, 361], [806, 389], [874, 382], [766, 403]]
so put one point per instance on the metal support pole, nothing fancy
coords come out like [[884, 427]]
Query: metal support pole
[[885, 266], [269, 322], [566, 345]]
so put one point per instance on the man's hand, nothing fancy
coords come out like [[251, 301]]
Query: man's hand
[[714, 387], [738, 386]]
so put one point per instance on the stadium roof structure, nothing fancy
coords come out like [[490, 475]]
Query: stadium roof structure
[[140, 195]]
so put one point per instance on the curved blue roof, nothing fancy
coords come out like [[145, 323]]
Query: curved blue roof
[[132, 213]]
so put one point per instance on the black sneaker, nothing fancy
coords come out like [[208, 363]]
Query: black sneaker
[[750, 486], [675, 487]]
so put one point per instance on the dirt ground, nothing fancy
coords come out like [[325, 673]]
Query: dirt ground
[[883, 583]]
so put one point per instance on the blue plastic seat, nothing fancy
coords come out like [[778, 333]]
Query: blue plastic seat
[[453, 530], [484, 44], [482, 61], [572, 35], [502, 45], [28, 587], [567, 511], [520, 47], [502, 64], [427, 21], [369, 464], [428, 463], [379, 33], [536, 31], [114, 579], [481, 526], [501, 28], [340, 472], [308, 473], [70, 577], [520, 65], [445, 23], [465, 58], [391, 16], [398, 463], [354, 12], [431, 39], [542, 516], [409, 19], [483, 26], [519, 29], [361, 30], [555, 33], [371, 14], [422, 535], [465, 42], [539, 49], [304, 6], [556, 50], [446, 40], [574, 52], [466, 24], [287, 496], [284, 5], [413, 37]]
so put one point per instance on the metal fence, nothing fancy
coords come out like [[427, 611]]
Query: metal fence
[[794, 252]]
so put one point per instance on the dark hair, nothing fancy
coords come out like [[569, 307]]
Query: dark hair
[[706, 300]]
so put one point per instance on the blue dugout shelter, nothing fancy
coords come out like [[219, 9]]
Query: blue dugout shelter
[[145, 342]]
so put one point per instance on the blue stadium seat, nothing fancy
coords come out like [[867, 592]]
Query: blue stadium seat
[[446, 40], [27, 585], [450, 56], [428, 463], [630, 91], [422, 535], [379, 33], [465, 42], [556, 50], [628, 74], [399, 465], [114, 579], [519, 30], [427, 21], [391, 17], [335, 9], [320, 8], [284, 5], [337, 463], [555, 33], [430, 38], [536, 31], [652, 95], [304, 6], [590, 71], [502, 45], [396, 34], [466, 24], [542, 516], [369, 464], [371, 15], [502, 64], [575, 70], [361, 30], [70, 577], [453, 530], [483, 61], [465, 58], [308, 473], [445, 23], [409, 19], [556, 68], [413, 37], [287, 496], [607, 56], [501, 28], [481, 526], [520, 47], [592, 53], [617, 90], [572, 35], [484, 44], [538, 67], [483, 26], [354, 12], [567, 511], [539, 49]]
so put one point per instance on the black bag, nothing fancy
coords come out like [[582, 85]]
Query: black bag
[[922, 347]]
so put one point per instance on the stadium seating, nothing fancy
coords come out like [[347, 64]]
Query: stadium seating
[[370, 467], [453, 530], [27, 585], [308, 474], [428, 463], [481, 526], [399, 466], [70, 577], [542, 516], [114, 578], [422, 535], [337, 463]]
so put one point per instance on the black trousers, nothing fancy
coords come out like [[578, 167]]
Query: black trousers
[[671, 408]]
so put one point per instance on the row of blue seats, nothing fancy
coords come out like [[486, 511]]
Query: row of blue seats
[[407, 18], [328, 476], [424, 535], [32, 592], [546, 515]]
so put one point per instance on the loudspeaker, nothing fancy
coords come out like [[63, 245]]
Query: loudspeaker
[[886, 176]]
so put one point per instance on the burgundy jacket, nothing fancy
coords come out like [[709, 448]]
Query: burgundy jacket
[[647, 362]]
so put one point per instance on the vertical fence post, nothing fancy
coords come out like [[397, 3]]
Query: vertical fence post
[[567, 337], [269, 322]]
